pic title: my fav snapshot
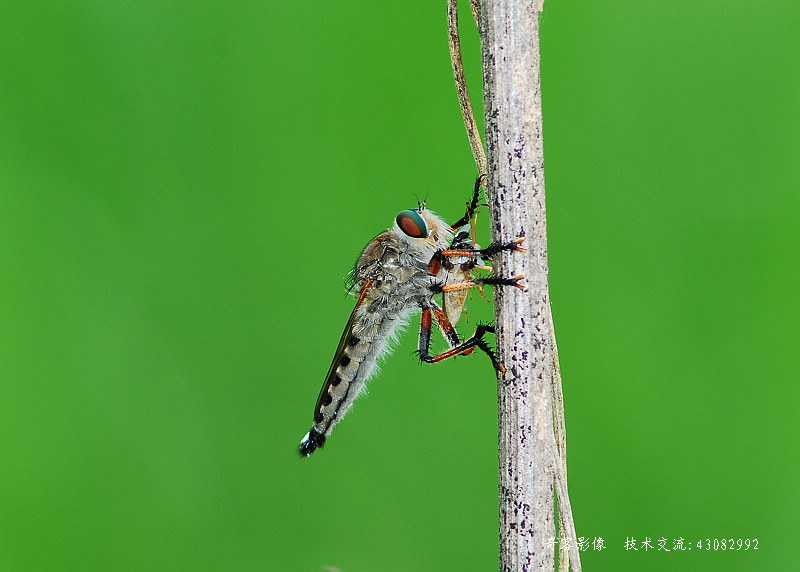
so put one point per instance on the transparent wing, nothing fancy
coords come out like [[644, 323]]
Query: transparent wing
[[337, 357]]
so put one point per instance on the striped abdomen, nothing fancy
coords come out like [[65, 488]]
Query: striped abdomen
[[365, 338]]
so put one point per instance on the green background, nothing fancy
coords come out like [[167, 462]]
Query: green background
[[183, 186]]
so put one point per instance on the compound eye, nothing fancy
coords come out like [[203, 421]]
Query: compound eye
[[412, 224]]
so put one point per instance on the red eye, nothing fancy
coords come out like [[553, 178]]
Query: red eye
[[412, 224]]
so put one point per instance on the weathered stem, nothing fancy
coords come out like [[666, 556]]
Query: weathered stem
[[528, 451], [464, 102], [530, 392], [567, 540]]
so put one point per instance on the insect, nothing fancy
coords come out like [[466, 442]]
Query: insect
[[398, 275]]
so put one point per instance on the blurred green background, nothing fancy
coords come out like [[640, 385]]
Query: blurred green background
[[184, 185]]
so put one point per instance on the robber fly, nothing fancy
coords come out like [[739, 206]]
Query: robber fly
[[399, 273]]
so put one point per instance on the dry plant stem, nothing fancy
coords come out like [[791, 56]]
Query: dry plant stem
[[568, 545], [476, 12], [461, 87], [532, 437], [528, 452], [569, 554]]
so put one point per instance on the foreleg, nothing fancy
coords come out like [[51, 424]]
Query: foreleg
[[472, 206]]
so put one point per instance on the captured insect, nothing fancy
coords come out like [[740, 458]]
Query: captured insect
[[399, 274]]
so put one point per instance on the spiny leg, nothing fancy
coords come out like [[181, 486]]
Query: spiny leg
[[479, 282], [472, 206], [489, 251], [465, 240], [464, 348], [440, 258]]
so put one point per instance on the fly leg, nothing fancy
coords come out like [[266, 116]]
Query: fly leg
[[479, 283], [441, 258], [488, 252], [472, 206], [462, 349], [448, 330]]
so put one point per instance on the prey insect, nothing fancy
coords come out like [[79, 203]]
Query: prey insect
[[399, 274]]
